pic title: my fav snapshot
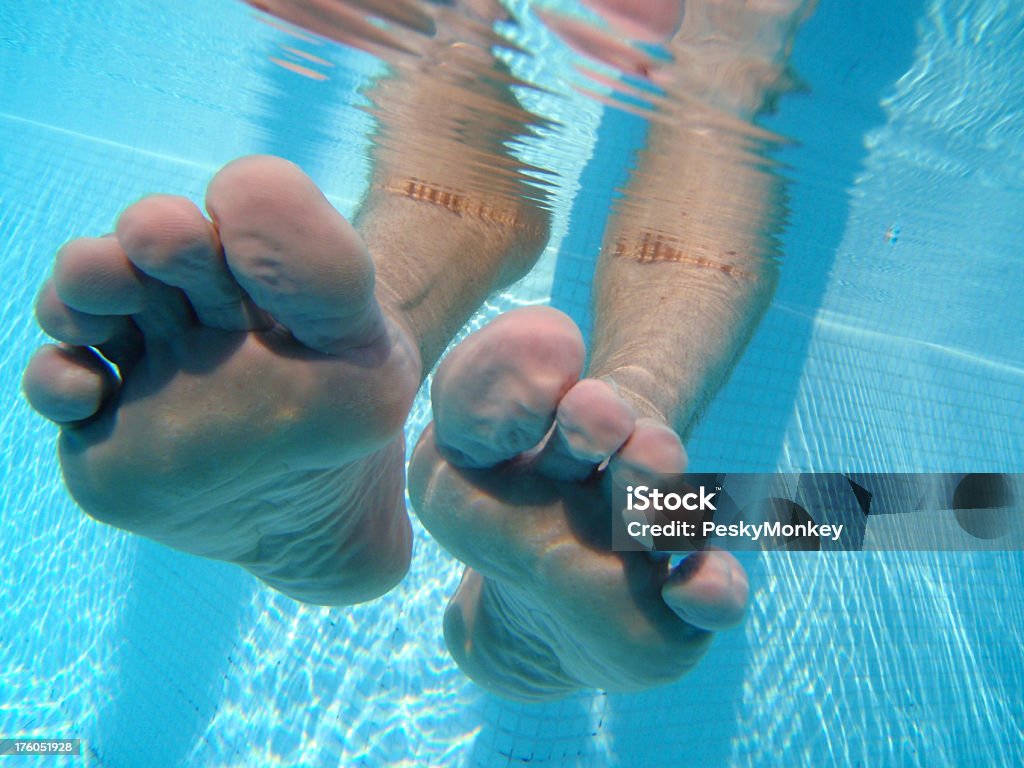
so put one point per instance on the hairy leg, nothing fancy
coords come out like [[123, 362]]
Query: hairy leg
[[514, 475], [689, 260]]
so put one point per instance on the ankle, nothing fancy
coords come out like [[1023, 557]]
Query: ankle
[[527, 239], [639, 387]]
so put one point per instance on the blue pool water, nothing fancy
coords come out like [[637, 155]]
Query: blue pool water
[[895, 342]]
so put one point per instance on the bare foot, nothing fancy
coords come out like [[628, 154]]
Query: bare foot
[[258, 413], [545, 607]]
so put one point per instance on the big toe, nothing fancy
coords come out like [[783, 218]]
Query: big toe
[[496, 394], [294, 254]]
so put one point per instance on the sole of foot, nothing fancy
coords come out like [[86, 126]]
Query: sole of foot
[[230, 386], [513, 478]]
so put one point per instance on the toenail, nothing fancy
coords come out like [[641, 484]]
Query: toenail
[[686, 569]]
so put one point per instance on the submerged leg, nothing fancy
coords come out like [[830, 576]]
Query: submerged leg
[[513, 475]]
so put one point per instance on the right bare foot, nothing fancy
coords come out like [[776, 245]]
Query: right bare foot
[[258, 413]]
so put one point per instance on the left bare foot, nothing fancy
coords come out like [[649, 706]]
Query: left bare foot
[[545, 607]]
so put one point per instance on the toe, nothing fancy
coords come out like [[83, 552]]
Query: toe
[[591, 424], [93, 275], [169, 239], [296, 256], [708, 590], [116, 336], [67, 324], [67, 384], [653, 449], [496, 394]]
